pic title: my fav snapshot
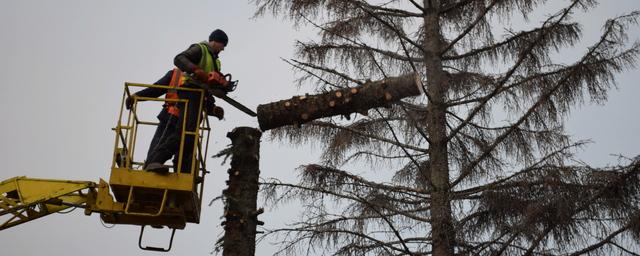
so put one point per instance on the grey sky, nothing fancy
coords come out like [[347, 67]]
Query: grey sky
[[64, 64]]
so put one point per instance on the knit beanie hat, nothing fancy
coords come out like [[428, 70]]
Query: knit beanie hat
[[219, 36]]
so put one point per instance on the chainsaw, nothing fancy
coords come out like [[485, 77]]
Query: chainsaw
[[219, 85]]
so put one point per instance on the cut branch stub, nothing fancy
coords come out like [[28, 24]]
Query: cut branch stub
[[302, 109]]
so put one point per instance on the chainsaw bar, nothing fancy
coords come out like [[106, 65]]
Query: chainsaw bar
[[237, 105], [222, 95]]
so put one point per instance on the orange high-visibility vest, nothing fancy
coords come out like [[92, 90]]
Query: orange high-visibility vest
[[176, 81]]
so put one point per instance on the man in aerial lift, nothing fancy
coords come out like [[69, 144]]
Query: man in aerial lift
[[168, 122], [201, 64]]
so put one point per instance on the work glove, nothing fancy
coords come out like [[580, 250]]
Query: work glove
[[128, 103], [201, 75], [210, 107], [216, 111]]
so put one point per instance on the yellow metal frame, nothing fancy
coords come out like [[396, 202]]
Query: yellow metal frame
[[132, 121], [126, 176]]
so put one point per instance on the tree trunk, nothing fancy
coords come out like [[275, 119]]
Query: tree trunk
[[241, 195], [302, 109], [442, 221]]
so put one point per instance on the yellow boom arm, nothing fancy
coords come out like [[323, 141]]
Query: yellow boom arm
[[24, 199]]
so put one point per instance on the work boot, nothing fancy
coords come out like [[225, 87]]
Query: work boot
[[157, 168]]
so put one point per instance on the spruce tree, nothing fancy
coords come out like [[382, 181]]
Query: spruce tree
[[482, 164]]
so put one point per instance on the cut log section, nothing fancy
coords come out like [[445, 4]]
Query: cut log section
[[302, 109]]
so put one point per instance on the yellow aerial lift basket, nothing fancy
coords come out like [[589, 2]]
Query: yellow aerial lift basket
[[132, 195]]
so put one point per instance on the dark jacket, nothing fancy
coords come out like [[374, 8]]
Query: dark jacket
[[188, 60]]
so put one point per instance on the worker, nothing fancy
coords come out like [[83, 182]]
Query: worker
[[198, 61], [167, 122]]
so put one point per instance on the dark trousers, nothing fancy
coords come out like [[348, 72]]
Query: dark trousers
[[169, 145], [166, 126], [167, 123]]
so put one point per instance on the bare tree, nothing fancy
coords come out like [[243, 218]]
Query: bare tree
[[482, 164]]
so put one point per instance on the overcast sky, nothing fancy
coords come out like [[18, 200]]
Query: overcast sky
[[63, 66]]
